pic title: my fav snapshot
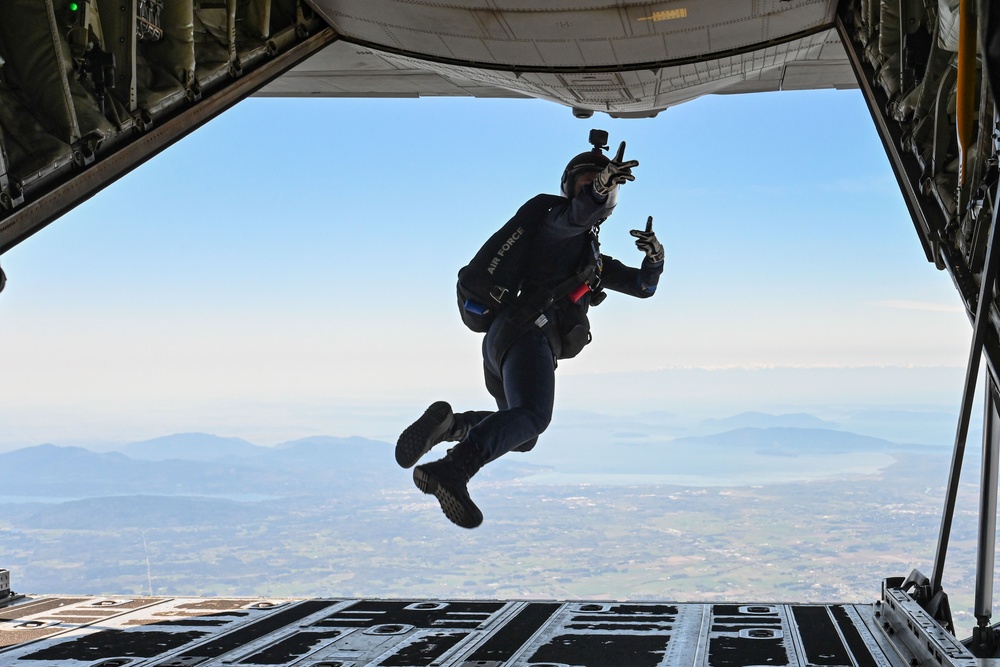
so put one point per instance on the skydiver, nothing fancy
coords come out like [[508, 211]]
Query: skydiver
[[519, 354]]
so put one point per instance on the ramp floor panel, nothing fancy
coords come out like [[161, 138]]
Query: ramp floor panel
[[53, 631]]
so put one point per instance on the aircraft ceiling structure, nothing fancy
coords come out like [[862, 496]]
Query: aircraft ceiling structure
[[629, 58]]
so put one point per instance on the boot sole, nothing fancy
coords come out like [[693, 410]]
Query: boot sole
[[412, 444], [459, 512]]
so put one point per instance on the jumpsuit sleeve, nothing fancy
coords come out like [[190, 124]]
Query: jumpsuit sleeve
[[639, 282], [578, 217]]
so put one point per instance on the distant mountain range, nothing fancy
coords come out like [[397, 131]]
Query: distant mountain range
[[198, 464], [763, 420], [795, 440], [196, 514], [191, 447]]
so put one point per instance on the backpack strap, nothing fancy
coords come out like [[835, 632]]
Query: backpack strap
[[538, 299], [584, 281], [529, 307]]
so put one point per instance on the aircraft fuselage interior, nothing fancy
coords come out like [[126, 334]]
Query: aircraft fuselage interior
[[91, 89]]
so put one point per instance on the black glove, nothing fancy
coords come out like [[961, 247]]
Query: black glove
[[617, 172], [647, 242]]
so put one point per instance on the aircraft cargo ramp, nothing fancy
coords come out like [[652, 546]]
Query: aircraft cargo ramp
[[58, 631]]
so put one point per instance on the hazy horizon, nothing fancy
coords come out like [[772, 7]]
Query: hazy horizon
[[885, 404]]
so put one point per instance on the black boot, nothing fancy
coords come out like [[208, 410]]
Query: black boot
[[448, 480], [437, 424]]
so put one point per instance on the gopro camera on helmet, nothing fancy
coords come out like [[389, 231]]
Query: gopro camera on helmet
[[599, 139]]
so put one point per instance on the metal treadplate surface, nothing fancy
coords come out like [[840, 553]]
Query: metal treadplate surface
[[209, 632]]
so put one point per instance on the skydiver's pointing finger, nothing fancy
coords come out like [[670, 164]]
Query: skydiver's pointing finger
[[647, 242], [620, 155]]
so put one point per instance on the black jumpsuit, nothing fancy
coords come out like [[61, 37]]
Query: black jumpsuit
[[523, 380]]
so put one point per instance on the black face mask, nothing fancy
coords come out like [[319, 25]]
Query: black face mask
[[609, 203], [593, 160]]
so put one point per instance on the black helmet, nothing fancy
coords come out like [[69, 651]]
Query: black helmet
[[592, 160]]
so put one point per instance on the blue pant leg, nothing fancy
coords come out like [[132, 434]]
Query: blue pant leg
[[533, 389], [495, 386], [528, 374]]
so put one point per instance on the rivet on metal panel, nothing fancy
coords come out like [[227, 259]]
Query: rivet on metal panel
[[389, 629], [760, 633], [757, 609], [426, 606]]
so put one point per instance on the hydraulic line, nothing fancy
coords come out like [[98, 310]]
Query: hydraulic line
[[965, 95]]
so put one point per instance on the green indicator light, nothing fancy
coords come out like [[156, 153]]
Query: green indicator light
[[73, 6]]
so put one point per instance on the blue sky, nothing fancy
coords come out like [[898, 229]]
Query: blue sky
[[289, 270]]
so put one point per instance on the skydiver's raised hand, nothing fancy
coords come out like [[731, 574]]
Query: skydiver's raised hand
[[617, 172], [647, 242]]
